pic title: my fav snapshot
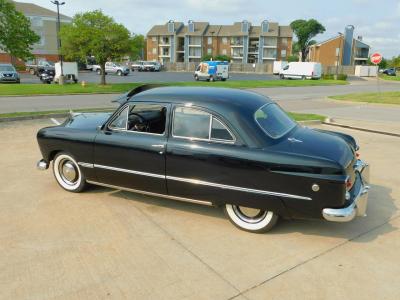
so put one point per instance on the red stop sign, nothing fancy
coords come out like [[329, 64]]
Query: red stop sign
[[376, 58]]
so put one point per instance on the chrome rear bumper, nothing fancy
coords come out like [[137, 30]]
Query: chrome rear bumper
[[359, 205]]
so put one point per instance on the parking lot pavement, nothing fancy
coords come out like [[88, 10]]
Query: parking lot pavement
[[92, 77], [105, 243]]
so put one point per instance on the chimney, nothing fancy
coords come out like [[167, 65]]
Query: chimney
[[359, 38], [190, 26], [264, 26], [171, 26]]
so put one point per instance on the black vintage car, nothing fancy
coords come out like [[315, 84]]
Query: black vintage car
[[212, 146]]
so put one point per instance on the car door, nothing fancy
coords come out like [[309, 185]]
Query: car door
[[207, 161], [129, 151]]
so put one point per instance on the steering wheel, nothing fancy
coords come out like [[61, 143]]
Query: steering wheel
[[142, 120]]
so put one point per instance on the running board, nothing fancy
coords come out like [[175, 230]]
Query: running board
[[202, 202]]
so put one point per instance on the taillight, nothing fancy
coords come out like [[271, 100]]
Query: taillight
[[349, 184], [357, 154]]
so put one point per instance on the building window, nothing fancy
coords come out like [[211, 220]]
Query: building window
[[225, 40], [154, 50], [224, 51], [283, 53], [194, 40], [154, 39], [37, 21], [209, 40], [270, 41], [284, 41], [209, 51]]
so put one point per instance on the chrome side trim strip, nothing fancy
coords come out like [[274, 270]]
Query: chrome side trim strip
[[202, 202], [86, 165], [130, 171], [236, 188], [196, 181]]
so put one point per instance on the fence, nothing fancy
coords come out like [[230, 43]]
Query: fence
[[331, 70], [233, 67], [265, 68]]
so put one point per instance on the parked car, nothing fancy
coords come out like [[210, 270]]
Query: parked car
[[36, 67], [47, 76], [137, 66], [211, 146], [112, 68], [212, 70], [390, 72], [151, 66], [301, 70], [9, 74]]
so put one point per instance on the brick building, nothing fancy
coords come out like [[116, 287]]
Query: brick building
[[243, 42], [342, 49]]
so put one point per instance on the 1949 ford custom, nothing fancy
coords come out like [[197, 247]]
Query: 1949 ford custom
[[212, 146]]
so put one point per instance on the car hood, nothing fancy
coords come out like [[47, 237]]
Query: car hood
[[322, 144], [86, 120]]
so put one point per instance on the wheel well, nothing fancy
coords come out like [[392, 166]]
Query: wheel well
[[53, 154]]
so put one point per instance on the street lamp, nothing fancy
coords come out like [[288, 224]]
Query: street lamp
[[338, 54], [58, 3]]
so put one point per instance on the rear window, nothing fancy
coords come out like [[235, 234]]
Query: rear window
[[273, 120]]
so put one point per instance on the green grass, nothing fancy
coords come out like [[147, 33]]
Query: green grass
[[295, 116], [69, 89], [386, 77], [306, 117], [383, 98]]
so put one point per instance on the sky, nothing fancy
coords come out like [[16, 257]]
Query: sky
[[378, 22]]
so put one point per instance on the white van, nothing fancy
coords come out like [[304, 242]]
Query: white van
[[301, 70], [278, 66]]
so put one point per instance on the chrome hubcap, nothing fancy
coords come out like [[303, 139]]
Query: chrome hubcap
[[68, 172], [248, 214]]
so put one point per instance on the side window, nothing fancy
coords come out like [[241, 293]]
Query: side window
[[196, 124], [191, 123], [219, 131], [119, 123], [147, 118]]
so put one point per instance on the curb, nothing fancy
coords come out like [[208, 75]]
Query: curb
[[329, 122], [35, 117]]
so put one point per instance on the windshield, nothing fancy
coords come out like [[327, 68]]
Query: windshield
[[273, 120], [7, 69]]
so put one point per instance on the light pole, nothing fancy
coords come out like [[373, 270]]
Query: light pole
[[58, 3], [338, 54]]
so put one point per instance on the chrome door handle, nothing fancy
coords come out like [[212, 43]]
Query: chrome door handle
[[159, 146]]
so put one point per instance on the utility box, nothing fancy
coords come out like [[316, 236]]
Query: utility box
[[366, 71]]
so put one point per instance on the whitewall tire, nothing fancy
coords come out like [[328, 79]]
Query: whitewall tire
[[251, 219], [67, 173]]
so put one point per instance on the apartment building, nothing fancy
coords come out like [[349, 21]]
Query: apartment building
[[44, 23], [342, 49], [243, 42]]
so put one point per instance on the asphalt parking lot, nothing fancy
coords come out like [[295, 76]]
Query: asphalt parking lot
[[111, 244], [92, 77]]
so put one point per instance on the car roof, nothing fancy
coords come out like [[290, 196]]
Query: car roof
[[221, 100], [6, 65]]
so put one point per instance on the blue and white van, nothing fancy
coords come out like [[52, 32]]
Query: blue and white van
[[212, 70]]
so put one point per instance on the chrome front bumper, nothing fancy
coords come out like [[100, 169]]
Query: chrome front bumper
[[42, 165], [359, 205]]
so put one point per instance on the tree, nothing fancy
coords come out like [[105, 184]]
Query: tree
[[305, 30], [95, 34], [16, 36], [137, 46]]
